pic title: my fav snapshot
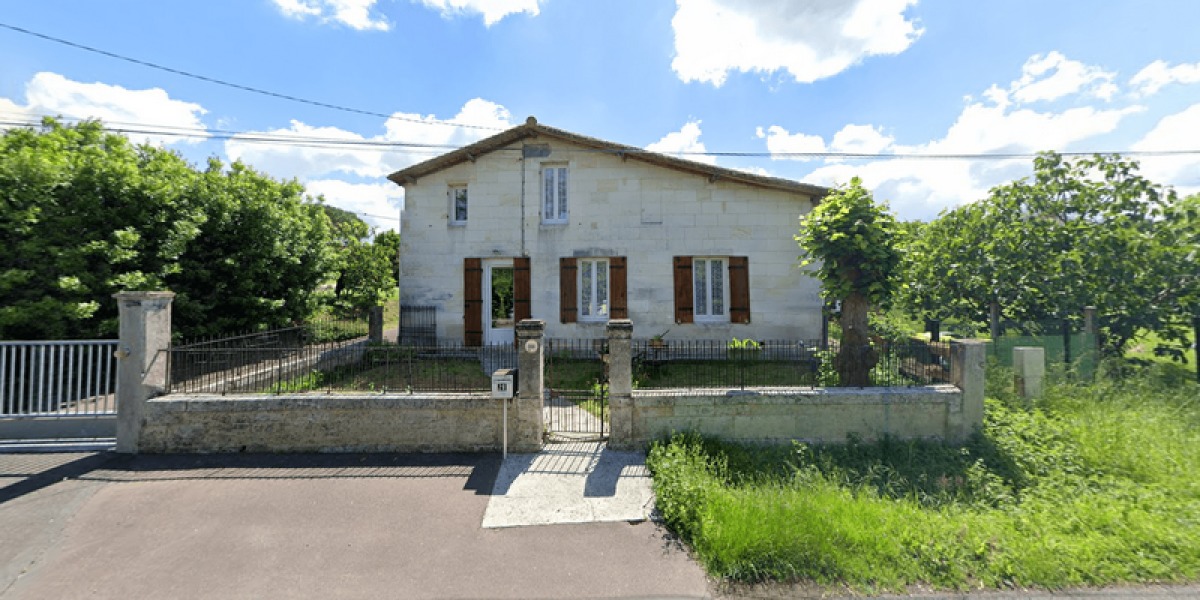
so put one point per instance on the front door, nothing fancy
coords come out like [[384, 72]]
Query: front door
[[498, 303]]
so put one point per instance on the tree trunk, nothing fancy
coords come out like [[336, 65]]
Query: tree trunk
[[856, 357]]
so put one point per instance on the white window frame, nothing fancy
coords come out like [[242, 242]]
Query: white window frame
[[556, 204], [586, 303], [451, 194], [707, 315]]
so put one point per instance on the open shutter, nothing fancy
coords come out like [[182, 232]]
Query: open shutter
[[567, 296], [618, 303], [683, 290], [472, 302], [739, 289], [522, 289]]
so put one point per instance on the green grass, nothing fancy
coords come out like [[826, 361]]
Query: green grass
[[1096, 484]]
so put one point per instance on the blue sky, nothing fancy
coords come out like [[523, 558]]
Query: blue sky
[[764, 77]]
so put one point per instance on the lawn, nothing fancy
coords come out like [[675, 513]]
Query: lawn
[[1094, 484]]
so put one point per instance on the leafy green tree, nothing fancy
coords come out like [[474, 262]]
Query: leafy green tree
[[390, 241], [855, 239], [85, 214], [1085, 232]]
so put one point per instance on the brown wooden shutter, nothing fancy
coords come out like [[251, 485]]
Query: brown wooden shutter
[[522, 289], [472, 302], [617, 290], [683, 290], [567, 297], [739, 289]]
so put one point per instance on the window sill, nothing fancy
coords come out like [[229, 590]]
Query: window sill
[[457, 223]]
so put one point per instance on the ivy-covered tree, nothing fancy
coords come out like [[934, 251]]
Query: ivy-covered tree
[[855, 241], [1085, 232], [85, 214]]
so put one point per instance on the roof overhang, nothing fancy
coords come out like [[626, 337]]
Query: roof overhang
[[533, 129]]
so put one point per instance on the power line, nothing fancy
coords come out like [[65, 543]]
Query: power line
[[239, 86], [424, 148]]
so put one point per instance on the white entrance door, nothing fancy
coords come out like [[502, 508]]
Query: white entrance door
[[498, 302]]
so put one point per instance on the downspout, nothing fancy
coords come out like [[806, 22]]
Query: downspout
[[523, 253]]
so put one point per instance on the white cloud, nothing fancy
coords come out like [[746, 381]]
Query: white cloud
[[1158, 74], [1173, 132], [352, 13], [306, 162], [780, 142], [492, 10], [687, 139], [810, 40], [921, 188], [52, 94], [378, 204], [1047, 77]]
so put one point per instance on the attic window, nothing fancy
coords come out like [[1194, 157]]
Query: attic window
[[554, 194], [458, 204]]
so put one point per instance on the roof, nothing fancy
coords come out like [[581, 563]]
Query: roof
[[533, 129]]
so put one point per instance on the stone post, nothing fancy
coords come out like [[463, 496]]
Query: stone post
[[1029, 368], [620, 384], [375, 325], [531, 353], [145, 331], [967, 359]]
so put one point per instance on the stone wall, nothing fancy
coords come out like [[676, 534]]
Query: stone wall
[[328, 423], [813, 415]]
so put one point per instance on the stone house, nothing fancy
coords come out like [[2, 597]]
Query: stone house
[[544, 223]]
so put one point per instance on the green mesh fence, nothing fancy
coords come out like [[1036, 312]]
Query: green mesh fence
[[1080, 355]]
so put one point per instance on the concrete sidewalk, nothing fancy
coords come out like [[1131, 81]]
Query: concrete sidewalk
[[98, 525], [571, 482]]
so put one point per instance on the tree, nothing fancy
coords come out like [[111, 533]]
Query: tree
[[365, 271], [1085, 232], [85, 214], [855, 240]]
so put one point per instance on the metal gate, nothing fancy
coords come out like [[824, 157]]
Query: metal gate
[[58, 390], [576, 401]]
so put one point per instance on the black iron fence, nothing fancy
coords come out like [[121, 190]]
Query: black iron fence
[[576, 383], [660, 364], [418, 325], [347, 366]]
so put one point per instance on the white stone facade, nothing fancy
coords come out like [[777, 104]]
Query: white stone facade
[[618, 206]]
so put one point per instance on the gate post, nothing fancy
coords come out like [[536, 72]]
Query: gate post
[[620, 384], [967, 363], [145, 331], [531, 353], [375, 325]]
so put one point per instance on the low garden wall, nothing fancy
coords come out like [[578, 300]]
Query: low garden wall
[[325, 423], [814, 415]]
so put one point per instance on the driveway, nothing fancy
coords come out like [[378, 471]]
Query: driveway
[[98, 525]]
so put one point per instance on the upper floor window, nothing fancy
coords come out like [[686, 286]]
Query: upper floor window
[[554, 194], [458, 204], [710, 291], [593, 289]]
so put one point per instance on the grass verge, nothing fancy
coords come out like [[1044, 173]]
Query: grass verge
[[1096, 484]]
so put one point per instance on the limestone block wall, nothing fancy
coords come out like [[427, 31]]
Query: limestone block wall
[[815, 415], [329, 423], [644, 212]]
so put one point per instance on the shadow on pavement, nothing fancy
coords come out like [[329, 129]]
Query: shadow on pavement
[[36, 471], [480, 470]]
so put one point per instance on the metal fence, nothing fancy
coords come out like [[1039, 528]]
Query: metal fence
[[418, 325], [63, 378], [338, 367], [576, 383], [1067, 344], [687, 364]]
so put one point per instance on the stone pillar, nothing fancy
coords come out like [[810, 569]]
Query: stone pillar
[[620, 384], [531, 352], [145, 332], [967, 359], [375, 324], [1029, 368]]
